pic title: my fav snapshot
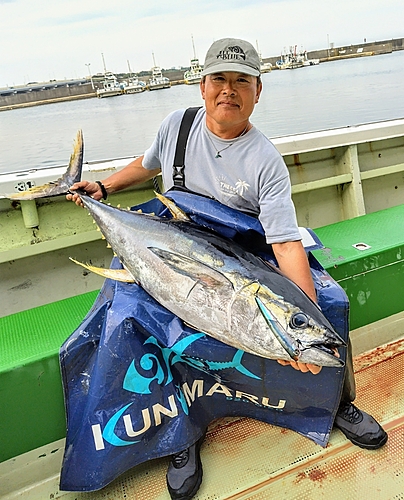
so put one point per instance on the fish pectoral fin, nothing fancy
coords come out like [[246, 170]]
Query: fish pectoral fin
[[176, 212], [191, 268], [286, 341], [115, 274]]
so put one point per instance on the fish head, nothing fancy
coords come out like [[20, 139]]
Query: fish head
[[317, 341], [304, 334]]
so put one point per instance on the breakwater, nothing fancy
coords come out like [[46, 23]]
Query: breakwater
[[33, 97], [351, 51]]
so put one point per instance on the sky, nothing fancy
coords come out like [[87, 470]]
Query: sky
[[43, 40]]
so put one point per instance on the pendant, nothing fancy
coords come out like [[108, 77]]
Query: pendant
[[218, 155]]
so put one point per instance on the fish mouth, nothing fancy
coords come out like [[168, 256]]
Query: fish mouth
[[330, 351], [333, 340]]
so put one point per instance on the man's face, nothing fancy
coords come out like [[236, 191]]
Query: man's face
[[230, 97]]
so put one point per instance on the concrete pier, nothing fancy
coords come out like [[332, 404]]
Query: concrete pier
[[23, 97], [350, 51]]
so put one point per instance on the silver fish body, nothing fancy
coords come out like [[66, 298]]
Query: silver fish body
[[217, 287]]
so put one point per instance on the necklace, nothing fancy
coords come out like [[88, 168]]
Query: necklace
[[218, 151]]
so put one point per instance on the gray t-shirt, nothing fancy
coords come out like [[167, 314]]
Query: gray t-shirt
[[250, 175]]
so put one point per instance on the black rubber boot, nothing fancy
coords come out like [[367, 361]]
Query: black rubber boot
[[359, 427], [184, 475]]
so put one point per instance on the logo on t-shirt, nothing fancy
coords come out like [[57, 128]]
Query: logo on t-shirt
[[238, 189]]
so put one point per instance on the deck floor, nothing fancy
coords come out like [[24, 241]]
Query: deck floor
[[248, 459]]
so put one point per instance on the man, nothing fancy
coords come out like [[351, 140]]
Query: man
[[229, 159]]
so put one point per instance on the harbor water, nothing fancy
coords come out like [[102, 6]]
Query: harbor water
[[333, 94]]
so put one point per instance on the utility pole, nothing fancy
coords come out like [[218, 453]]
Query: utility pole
[[193, 46], [328, 46], [103, 62], [91, 76]]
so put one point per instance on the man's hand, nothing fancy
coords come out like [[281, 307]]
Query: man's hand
[[303, 367], [91, 188]]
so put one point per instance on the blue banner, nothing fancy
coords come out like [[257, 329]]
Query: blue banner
[[139, 384]]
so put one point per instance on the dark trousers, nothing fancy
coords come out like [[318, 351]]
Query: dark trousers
[[349, 387]]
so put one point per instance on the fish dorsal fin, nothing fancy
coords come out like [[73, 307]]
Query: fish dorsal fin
[[115, 274], [175, 211], [194, 269]]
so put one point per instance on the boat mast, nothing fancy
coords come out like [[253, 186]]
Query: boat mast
[[258, 50], [130, 71], [193, 46], [103, 62]]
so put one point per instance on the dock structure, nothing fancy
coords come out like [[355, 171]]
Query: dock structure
[[36, 94]]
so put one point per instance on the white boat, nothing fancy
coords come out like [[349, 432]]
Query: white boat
[[295, 59], [110, 85], [157, 80], [133, 85], [311, 62], [266, 67], [193, 75], [347, 185], [291, 59]]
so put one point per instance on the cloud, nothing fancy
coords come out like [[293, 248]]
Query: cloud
[[87, 18]]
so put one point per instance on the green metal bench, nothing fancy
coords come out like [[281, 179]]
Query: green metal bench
[[365, 255], [31, 397]]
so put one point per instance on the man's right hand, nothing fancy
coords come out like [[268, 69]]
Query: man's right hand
[[91, 188], [302, 367]]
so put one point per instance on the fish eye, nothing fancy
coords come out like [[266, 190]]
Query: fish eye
[[299, 320]]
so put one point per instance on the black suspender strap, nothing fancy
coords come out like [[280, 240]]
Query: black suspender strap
[[156, 185], [185, 127]]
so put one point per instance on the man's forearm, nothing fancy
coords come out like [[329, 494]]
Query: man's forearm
[[293, 262], [134, 173]]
